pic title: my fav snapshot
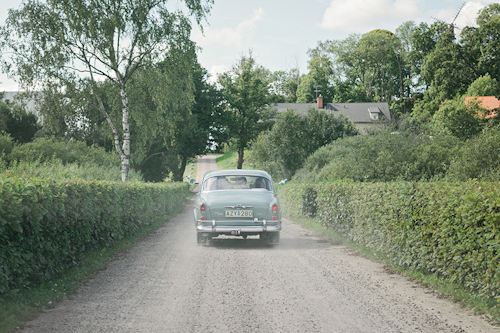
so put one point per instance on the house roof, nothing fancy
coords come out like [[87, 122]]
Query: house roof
[[488, 102], [356, 112]]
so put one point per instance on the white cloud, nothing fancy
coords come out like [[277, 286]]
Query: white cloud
[[468, 14], [215, 70], [230, 36], [466, 17], [359, 15]]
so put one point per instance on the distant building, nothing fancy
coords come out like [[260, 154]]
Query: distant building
[[489, 102], [365, 116]]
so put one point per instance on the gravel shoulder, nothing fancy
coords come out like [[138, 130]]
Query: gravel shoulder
[[168, 283]]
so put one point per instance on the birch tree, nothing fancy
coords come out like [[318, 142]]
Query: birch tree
[[70, 41]]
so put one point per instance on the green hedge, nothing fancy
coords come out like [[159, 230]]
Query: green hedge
[[451, 229], [47, 225]]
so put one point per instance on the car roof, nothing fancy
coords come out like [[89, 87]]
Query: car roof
[[236, 172]]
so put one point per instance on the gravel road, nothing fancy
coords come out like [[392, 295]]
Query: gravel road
[[305, 284]]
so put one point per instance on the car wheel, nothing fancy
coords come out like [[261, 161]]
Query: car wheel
[[274, 238], [201, 239]]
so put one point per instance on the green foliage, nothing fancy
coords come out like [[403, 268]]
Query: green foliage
[[67, 151], [382, 156], [21, 125], [246, 92], [282, 150], [6, 144], [462, 121], [484, 86], [284, 85], [479, 158], [450, 229], [47, 225], [71, 37], [53, 158], [305, 90], [371, 67], [319, 78], [447, 69], [423, 42], [227, 160], [55, 168], [483, 41]]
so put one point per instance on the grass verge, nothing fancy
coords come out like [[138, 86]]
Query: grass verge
[[230, 161], [22, 305], [227, 160], [191, 170], [444, 288]]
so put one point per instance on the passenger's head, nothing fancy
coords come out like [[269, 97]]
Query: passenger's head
[[260, 183]]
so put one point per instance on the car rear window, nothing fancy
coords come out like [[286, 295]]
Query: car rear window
[[237, 182]]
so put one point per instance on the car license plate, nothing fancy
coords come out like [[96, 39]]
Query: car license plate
[[239, 213]]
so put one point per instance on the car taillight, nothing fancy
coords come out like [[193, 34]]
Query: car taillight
[[275, 208], [203, 208]]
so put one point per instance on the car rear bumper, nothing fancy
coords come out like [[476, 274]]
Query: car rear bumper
[[237, 229]]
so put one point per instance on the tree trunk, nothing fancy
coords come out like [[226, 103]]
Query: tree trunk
[[240, 158], [125, 156], [179, 172]]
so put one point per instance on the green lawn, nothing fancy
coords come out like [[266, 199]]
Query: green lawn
[[191, 170], [229, 161]]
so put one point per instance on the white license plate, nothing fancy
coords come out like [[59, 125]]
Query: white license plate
[[239, 213]]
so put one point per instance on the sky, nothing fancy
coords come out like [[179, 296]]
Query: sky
[[280, 32]]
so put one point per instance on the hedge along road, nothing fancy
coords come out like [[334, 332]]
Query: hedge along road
[[169, 284]]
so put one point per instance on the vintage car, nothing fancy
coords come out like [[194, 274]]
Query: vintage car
[[238, 203]]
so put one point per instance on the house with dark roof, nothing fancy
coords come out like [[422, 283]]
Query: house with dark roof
[[365, 116]]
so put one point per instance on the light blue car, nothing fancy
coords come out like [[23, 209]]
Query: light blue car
[[237, 202]]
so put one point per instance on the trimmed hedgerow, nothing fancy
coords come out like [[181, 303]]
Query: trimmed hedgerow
[[451, 229], [47, 225]]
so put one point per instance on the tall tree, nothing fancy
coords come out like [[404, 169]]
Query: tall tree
[[60, 40], [246, 92], [193, 126], [284, 85], [423, 41], [448, 69], [319, 80], [378, 59], [482, 43]]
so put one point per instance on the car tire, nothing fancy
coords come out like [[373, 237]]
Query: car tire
[[274, 238], [201, 240]]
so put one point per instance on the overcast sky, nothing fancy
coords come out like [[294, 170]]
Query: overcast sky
[[279, 32]]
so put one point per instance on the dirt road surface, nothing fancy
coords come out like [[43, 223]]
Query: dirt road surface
[[168, 283]]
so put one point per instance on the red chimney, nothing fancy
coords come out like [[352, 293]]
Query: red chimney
[[320, 102]]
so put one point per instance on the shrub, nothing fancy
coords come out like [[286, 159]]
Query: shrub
[[458, 119], [479, 158], [20, 124], [381, 156], [450, 229], [283, 150], [46, 225], [67, 151], [55, 168], [6, 143]]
